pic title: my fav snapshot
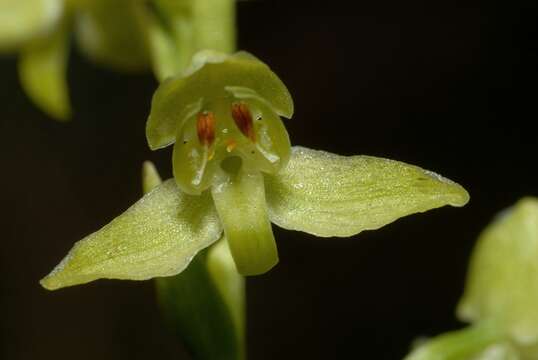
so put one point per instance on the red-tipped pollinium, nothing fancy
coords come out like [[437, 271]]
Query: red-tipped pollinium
[[205, 127], [243, 120]]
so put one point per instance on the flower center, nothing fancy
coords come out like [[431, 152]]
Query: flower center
[[228, 127]]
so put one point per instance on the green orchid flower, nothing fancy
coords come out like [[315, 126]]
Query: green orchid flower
[[236, 173], [500, 294]]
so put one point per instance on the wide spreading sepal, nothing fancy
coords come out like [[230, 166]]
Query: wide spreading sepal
[[331, 195], [157, 236]]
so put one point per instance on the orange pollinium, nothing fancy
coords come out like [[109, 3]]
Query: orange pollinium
[[205, 127], [243, 120]]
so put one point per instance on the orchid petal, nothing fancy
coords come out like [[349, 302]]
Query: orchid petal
[[208, 77]]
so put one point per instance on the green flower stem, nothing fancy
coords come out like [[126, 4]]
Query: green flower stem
[[198, 311], [231, 286], [176, 30], [110, 33], [214, 25], [169, 32], [458, 345]]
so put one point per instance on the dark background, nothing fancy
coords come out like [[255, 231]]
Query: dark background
[[450, 88]]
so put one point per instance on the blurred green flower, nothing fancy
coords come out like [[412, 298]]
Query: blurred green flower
[[500, 294], [108, 32], [502, 284], [38, 30], [236, 172], [125, 35]]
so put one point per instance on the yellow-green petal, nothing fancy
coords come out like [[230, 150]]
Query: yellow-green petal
[[241, 205], [208, 76], [43, 72], [23, 20], [502, 282], [214, 25], [111, 33], [331, 195], [157, 236]]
